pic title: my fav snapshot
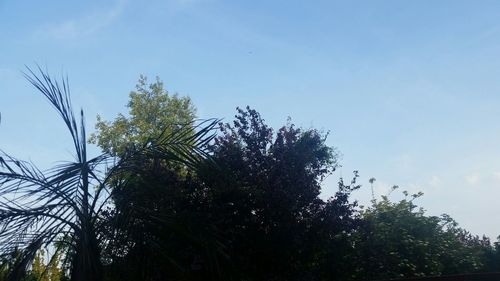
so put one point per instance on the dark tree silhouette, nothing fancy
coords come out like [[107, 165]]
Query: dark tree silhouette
[[66, 203]]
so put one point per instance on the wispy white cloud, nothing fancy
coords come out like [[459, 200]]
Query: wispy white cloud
[[472, 179], [83, 26]]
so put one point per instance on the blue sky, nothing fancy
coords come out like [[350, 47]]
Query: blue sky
[[410, 90]]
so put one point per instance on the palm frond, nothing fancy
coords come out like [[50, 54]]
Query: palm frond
[[186, 145], [60, 98], [65, 202], [37, 207]]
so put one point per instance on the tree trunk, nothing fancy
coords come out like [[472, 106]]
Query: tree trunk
[[86, 265]]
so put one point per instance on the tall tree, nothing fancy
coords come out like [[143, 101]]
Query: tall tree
[[254, 215], [265, 196], [152, 110], [66, 203]]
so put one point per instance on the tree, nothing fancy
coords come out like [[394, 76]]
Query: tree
[[492, 257], [66, 203], [152, 110], [397, 240], [160, 230], [265, 197], [42, 270], [251, 212], [6, 264]]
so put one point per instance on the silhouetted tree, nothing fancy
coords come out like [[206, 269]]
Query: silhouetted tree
[[66, 203], [251, 212], [265, 197]]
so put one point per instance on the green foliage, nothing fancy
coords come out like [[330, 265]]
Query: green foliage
[[250, 213], [66, 204], [6, 265], [152, 110], [43, 270], [397, 239], [169, 200], [256, 215]]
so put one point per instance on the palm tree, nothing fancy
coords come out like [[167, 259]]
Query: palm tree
[[65, 204]]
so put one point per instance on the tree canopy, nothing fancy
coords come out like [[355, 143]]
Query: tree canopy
[[245, 205], [66, 204], [397, 239], [266, 197], [250, 213], [153, 111]]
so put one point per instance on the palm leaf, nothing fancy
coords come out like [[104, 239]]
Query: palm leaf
[[38, 207]]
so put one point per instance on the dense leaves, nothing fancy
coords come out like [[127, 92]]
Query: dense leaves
[[152, 112], [172, 200], [253, 213], [250, 213], [265, 197], [65, 204], [397, 239]]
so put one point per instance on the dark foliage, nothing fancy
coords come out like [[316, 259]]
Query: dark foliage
[[66, 204], [251, 213], [265, 197], [190, 205]]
